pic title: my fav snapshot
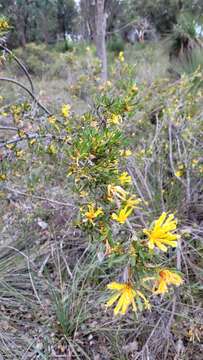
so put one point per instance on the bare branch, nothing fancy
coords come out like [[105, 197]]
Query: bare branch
[[28, 91], [22, 66]]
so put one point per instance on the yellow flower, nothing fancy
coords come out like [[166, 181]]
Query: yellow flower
[[83, 193], [32, 141], [4, 25], [162, 232], [132, 250], [2, 177], [116, 191], [125, 178], [108, 83], [166, 277], [134, 88], [179, 173], [65, 110], [201, 169], [20, 153], [115, 249], [115, 119], [52, 120], [103, 229], [93, 213], [10, 146], [127, 106], [123, 215], [125, 153], [126, 295], [121, 56], [132, 202], [194, 162], [22, 134], [194, 334], [52, 149]]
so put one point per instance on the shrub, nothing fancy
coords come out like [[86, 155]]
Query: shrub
[[116, 44], [184, 38], [190, 65]]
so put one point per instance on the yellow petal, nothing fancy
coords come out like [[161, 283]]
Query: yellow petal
[[134, 305], [161, 246], [119, 305], [171, 243], [126, 303], [162, 288], [142, 295], [116, 286], [175, 279], [151, 245], [161, 219], [112, 300], [114, 216], [128, 212]]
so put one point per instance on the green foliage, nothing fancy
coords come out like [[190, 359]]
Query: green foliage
[[41, 59], [39, 20], [190, 65], [58, 167], [184, 34], [116, 44], [162, 13]]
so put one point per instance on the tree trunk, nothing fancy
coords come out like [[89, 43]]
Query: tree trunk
[[94, 16], [101, 18], [88, 11]]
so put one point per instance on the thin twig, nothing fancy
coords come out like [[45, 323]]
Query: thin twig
[[151, 335], [28, 91], [22, 66], [19, 139], [171, 155], [39, 197], [9, 128]]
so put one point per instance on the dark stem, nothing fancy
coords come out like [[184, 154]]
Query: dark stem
[[22, 66], [28, 91]]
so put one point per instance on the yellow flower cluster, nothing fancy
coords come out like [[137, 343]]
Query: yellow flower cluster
[[2, 177], [65, 110], [180, 171], [4, 25], [116, 191], [121, 56], [160, 234], [127, 294], [125, 153], [115, 119], [95, 163], [115, 249], [125, 178], [93, 213], [123, 214]]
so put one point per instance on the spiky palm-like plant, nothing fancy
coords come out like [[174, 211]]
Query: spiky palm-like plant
[[184, 38]]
